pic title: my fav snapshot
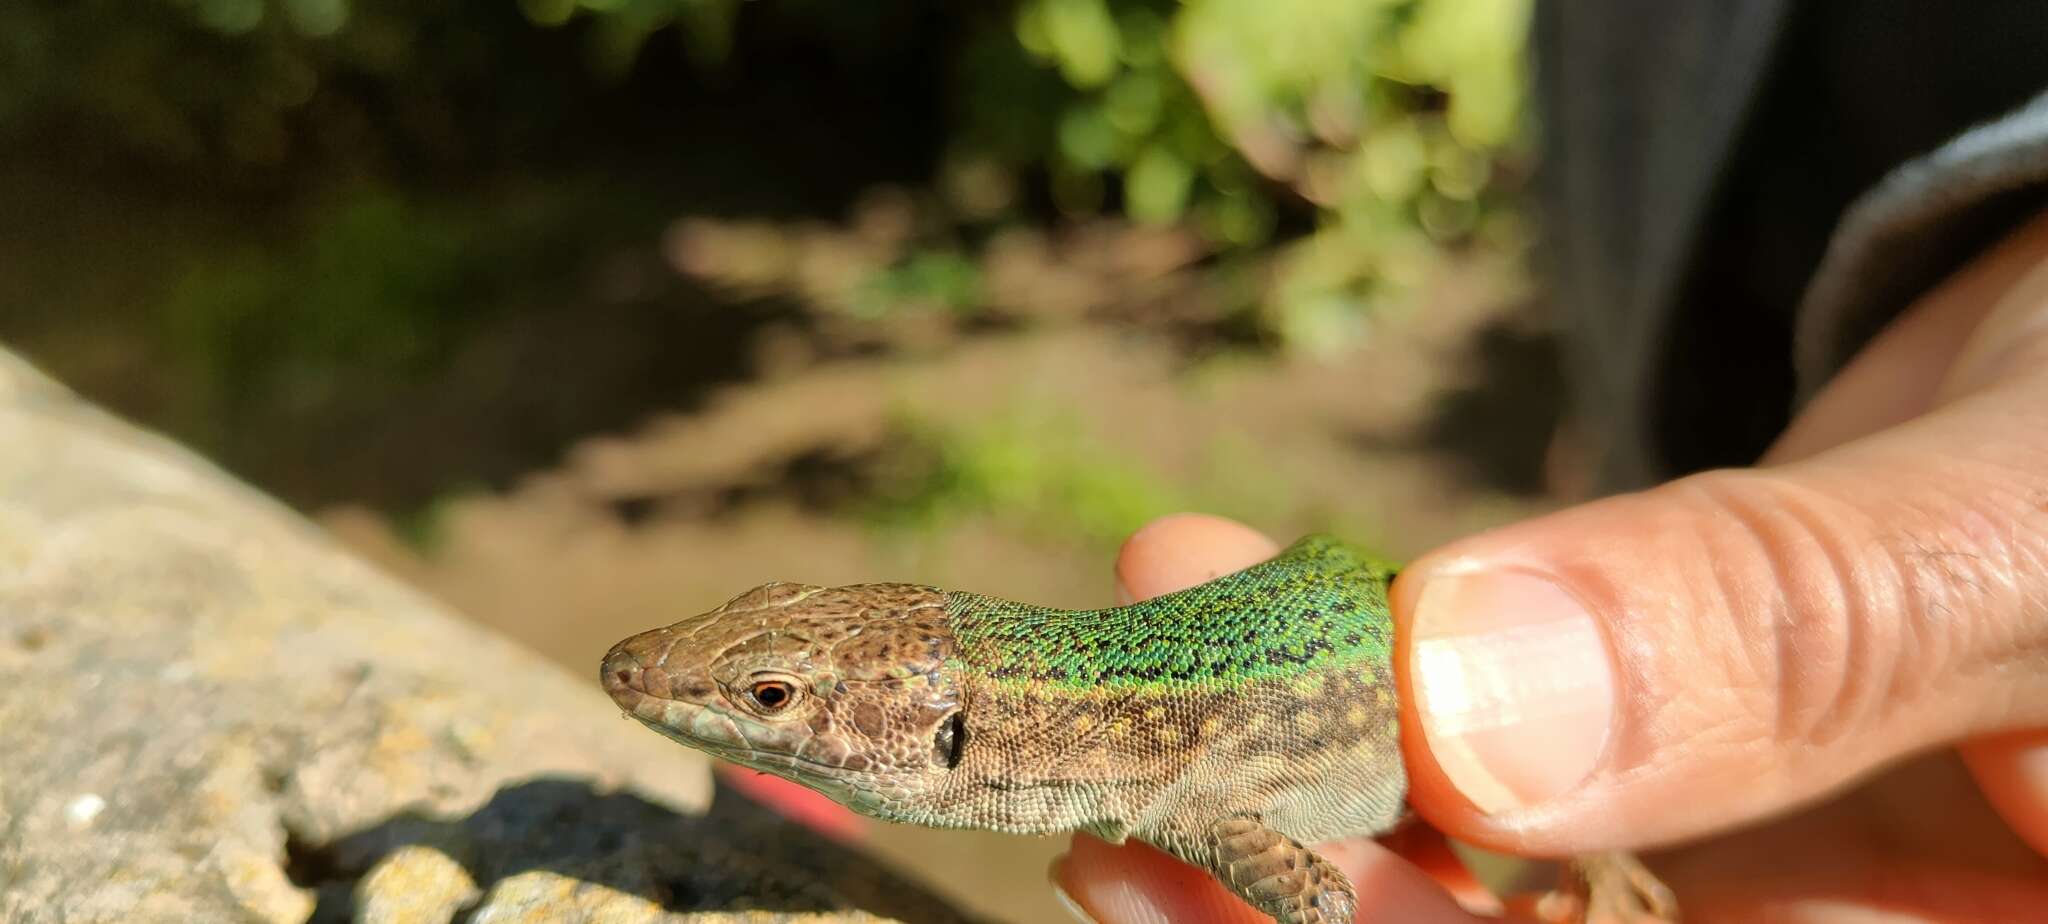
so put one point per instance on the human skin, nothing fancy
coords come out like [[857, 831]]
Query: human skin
[[1819, 683]]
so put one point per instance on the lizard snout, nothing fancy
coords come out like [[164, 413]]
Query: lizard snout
[[623, 678]]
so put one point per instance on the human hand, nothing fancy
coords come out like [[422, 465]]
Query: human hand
[[1777, 666]]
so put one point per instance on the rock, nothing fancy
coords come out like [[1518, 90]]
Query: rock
[[212, 714]]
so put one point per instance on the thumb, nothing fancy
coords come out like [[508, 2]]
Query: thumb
[[1729, 645]]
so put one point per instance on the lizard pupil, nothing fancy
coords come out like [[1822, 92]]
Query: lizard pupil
[[772, 694]]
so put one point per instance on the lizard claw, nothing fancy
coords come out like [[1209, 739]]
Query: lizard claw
[[1609, 888], [1278, 875]]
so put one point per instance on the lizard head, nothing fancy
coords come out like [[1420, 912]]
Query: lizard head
[[847, 690]]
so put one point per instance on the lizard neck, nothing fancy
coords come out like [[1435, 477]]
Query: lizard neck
[[1042, 759]]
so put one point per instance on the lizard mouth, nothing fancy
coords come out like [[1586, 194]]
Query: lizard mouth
[[818, 774]]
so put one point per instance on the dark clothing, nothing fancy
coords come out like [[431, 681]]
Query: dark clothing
[[1741, 193]]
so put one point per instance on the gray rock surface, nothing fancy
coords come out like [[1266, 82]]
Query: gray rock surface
[[212, 714]]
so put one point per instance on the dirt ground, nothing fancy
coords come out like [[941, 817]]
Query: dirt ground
[[1400, 442]]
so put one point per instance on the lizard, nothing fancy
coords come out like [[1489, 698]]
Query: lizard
[[1231, 724]]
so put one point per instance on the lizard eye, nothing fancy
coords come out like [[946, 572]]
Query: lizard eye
[[771, 694]]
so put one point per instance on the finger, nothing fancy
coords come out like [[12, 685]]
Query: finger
[[796, 802], [1960, 337], [1661, 664], [1738, 642], [1428, 850], [2012, 770], [1179, 551], [1932, 352], [1132, 883]]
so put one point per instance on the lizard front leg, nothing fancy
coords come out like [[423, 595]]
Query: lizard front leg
[[1609, 888], [1281, 877], [1272, 872]]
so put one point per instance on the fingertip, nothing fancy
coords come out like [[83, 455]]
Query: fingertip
[[1391, 886], [1056, 876], [1182, 550], [1430, 852], [2012, 770], [1135, 883], [796, 802]]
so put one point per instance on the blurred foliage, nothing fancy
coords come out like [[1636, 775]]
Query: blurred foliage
[[222, 84], [942, 279], [1343, 142], [1031, 467], [623, 26], [323, 201], [426, 528], [1390, 121], [376, 285], [1039, 469], [895, 263]]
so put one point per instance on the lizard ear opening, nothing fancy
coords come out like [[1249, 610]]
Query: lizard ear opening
[[948, 741]]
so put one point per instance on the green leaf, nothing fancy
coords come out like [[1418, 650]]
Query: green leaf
[[1084, 40], [1156, 187], [1087, 139]]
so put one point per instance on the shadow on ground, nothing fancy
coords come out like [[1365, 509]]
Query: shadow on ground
[[737, 857]]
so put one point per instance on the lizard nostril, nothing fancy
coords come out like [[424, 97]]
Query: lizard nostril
[[623, 676]]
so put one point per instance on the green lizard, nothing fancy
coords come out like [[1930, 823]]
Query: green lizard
[[1231, 724]]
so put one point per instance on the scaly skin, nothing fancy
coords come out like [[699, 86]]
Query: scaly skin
[[1230, 724]]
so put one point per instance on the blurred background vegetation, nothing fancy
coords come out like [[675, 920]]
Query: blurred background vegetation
[[585, 314]]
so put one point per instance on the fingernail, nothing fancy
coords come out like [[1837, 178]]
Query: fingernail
[[1513, 683], [1052, 876]]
